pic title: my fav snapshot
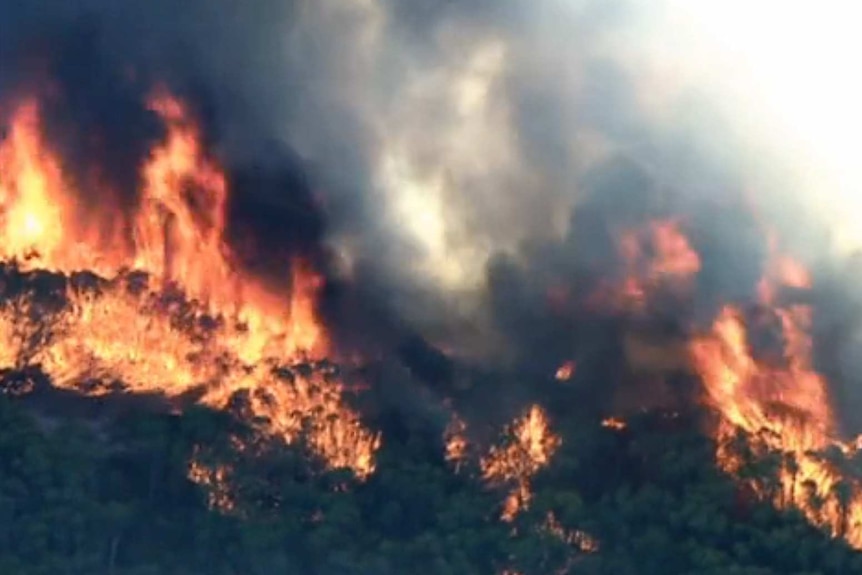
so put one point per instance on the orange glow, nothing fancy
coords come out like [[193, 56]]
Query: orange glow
[[655, 257], [785, 407], [582, 541], [215, 479], [456, 442], [529, 447], [200, 327]]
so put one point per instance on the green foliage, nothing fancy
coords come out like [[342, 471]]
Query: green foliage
[[84, 500]]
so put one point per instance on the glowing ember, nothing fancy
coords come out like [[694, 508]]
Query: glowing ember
[[566, 371], [614, 423], [456, 442], [580, 540], [215, 480], [529, 447], [195, 324]]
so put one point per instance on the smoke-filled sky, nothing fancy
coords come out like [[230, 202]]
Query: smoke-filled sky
[[442, 135]]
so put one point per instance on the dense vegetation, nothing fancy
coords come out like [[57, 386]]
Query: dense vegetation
[[76, 499]]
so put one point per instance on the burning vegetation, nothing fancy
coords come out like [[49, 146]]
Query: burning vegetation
[[103, 295], [528, 447], [782, 404], [166, 309], [353, 295]]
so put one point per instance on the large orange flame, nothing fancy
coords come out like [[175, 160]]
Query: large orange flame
[[784, 404], [222, 340]]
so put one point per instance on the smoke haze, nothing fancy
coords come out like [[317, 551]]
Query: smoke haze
[[459, 159]]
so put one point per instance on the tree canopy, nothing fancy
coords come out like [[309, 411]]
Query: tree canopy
[[643, 500]]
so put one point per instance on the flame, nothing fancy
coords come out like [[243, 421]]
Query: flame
[[784, 404], [529, 447], [32, 193], [178, 238], [174, 316]]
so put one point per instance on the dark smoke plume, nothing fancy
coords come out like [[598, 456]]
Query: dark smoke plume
[[453, 163]]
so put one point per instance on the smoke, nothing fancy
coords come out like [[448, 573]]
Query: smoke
[[442, 134], [461, 160]]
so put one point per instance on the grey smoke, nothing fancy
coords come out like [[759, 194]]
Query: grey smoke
[[466, 150], [442, 134]]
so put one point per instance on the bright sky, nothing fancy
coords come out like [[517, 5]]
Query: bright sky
[[793, 65]]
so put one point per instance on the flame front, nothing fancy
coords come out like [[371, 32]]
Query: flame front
[[784, 404], [175, 316], [780, 401]]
